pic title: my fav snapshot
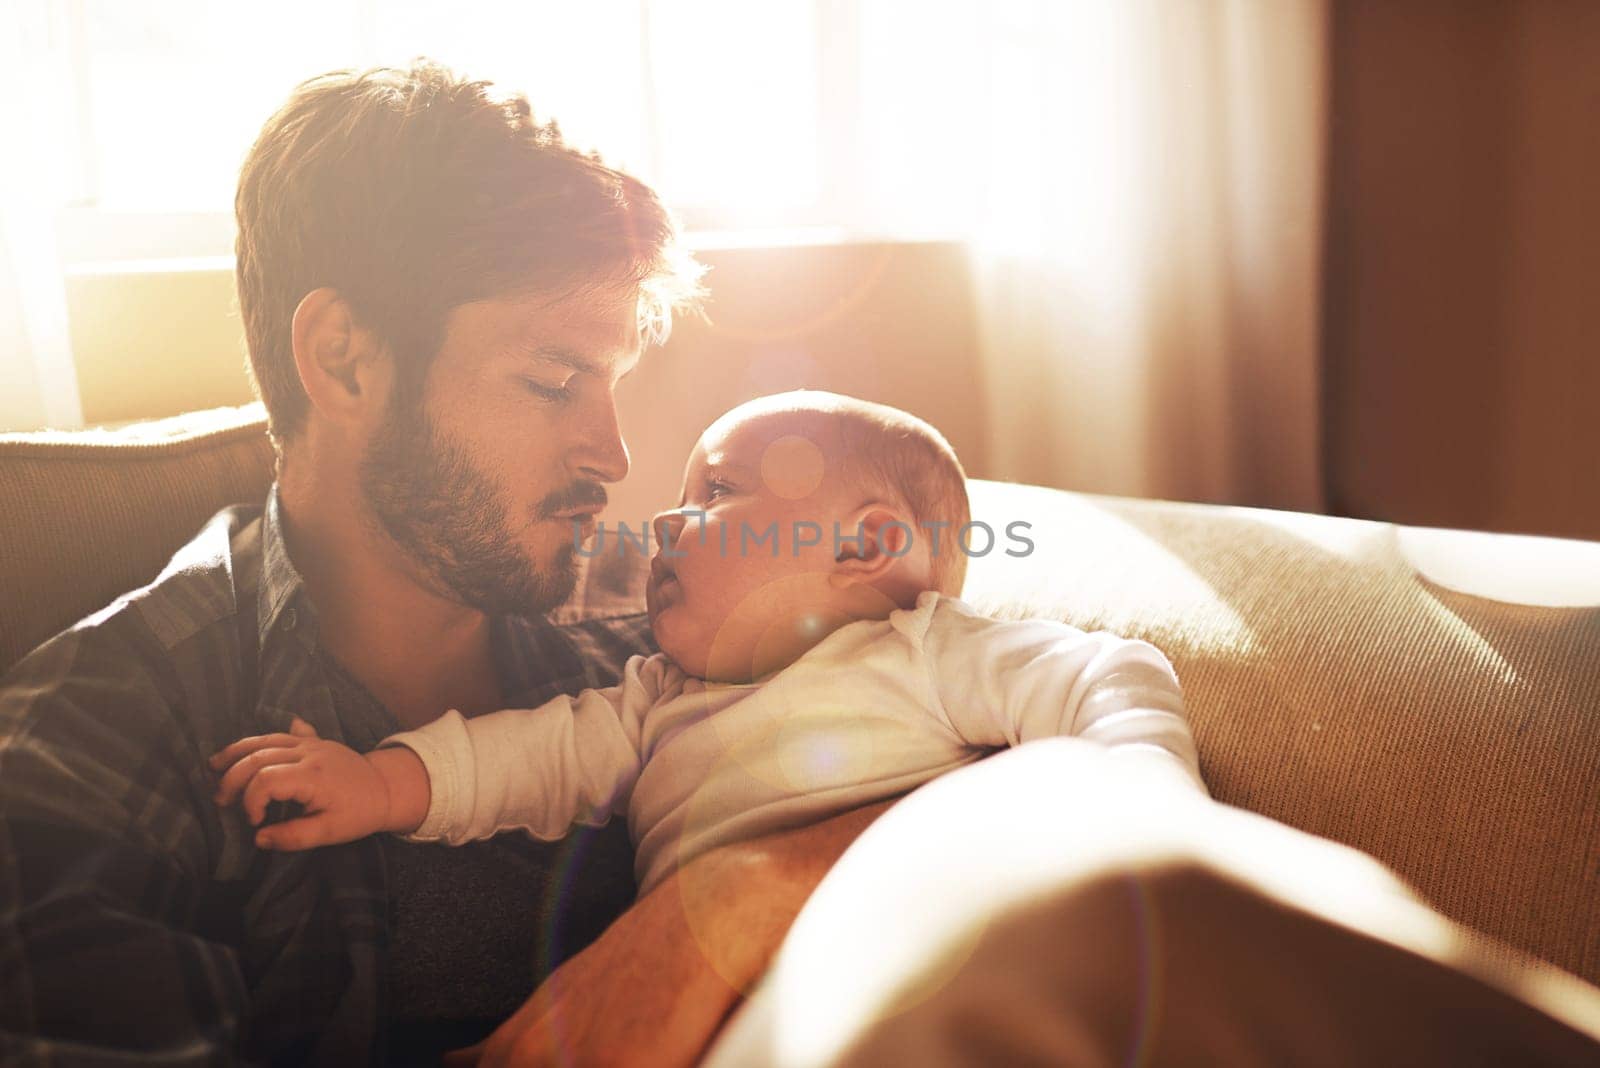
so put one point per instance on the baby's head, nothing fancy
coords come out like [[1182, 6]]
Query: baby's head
[[748, 573]]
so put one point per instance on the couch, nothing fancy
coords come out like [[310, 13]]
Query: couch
[[1331, 687]]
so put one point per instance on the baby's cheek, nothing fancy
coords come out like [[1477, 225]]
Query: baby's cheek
[[674, 631], [809, 538]]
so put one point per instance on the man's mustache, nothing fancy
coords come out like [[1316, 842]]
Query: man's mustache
[[585, 496]]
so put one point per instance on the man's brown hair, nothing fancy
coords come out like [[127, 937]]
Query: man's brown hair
[[411, 191]]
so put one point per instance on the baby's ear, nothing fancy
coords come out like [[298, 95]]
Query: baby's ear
[[874, 538]]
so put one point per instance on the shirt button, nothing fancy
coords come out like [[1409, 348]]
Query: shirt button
[[290, 619]]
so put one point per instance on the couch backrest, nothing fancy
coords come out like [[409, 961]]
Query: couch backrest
[[89, 515], [1455, 738]]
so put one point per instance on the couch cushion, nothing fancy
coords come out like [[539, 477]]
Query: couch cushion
[[88, 515], [1455, 738]]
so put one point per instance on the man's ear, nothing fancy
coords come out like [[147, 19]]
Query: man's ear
[[885, 536], [343, 367]]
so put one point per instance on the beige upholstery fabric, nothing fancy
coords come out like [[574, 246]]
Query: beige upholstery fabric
[[1454, 738], [1150, 929], [90, 515]]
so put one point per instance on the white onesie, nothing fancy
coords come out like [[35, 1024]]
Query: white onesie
[[873, 710]]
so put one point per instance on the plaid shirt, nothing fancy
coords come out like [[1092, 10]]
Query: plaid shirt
[[137, 920]]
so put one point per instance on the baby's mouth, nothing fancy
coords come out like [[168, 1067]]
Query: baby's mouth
[[662, 575]]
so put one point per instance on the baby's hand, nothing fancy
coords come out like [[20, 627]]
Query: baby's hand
[[345, 795]]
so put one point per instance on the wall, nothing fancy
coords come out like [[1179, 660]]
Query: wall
[[155, 338], [888, 322], [1462, 325]]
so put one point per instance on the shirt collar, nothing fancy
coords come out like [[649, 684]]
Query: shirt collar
[[279, 604]]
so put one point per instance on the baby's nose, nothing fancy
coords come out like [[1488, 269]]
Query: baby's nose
[[667, 526]]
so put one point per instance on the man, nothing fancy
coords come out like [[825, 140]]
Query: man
[[439, 298]]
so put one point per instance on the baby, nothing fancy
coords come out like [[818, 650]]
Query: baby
[[813, 659]]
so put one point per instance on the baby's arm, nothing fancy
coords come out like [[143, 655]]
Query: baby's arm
[[571, 760], [455, 780], [345, 795], [1004, 683]]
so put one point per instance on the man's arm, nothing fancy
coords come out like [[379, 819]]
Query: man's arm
[[103, 869], [656, 987]]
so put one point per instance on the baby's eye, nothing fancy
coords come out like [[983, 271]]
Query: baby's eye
[[717, 488]]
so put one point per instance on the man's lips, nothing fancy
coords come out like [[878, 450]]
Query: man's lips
[[574, 502], [581, 521], [576, 523]]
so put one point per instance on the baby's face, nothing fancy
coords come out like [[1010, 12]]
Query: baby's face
[[755, 583]]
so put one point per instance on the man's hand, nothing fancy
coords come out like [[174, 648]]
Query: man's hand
[[639, 995], [657, 986], [345, 795]]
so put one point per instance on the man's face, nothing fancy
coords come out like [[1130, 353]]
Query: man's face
[[515, 433]]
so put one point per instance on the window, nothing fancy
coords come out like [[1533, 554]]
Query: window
[[720, 104]]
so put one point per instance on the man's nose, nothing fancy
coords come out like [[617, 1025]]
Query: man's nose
[[600, 453]]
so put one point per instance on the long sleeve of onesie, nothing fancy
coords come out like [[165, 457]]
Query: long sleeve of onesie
[[570, 760], [1005, 683]]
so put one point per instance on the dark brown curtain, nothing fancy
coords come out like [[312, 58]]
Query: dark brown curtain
[[1461, 326]]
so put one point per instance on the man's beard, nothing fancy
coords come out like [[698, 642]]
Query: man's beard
[[447, 516]]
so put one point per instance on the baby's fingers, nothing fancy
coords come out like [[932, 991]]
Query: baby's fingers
[[308, 832], [239, 776], [280, 782], [244, 746]]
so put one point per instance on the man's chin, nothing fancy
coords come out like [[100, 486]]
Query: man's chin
[[552, 582], [561, 580], [538, 590]]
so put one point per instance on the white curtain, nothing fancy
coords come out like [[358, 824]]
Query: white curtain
[[1140, 182], [38, 385]]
